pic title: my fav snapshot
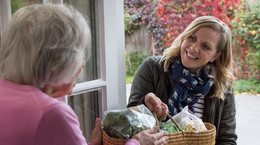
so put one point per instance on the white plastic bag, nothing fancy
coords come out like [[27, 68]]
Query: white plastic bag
[[188, 121]]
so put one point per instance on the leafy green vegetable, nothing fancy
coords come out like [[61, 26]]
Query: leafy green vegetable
[[168, 127], [126, 123]]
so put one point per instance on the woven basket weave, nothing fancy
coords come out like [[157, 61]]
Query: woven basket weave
[[191, 138], [180, 138], [207, 137], [107, 140]]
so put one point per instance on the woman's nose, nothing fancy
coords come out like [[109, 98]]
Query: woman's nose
[[195, 47]]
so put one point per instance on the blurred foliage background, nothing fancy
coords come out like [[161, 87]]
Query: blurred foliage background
[[166, 19]]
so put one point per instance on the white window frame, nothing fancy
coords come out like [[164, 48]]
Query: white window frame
[[115, 53], [5, 14], [112, 53]]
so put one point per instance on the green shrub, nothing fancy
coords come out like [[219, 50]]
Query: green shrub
[[17, 4], [133, 60], [129, 79], [250, 85]]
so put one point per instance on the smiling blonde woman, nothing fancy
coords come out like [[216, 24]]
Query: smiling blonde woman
[[195, 71]]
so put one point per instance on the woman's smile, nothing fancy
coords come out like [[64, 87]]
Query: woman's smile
[[190, 56]]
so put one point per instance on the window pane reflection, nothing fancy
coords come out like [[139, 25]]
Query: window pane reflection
[[86, 108], [91, 69], [17, 4], [0, 25]]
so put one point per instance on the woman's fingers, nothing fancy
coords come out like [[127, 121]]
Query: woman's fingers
[[164, 111], [95, 137], [153, 130], [153, 103], [161, 139], [150, 137]]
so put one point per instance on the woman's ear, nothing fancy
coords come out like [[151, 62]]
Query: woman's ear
[[58, 91], [62, 90], [55, 91], [215, 57], [78, 72]]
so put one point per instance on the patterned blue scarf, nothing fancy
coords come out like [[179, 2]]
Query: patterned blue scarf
[[188, 88]]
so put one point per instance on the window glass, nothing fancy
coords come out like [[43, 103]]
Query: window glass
[[17, 4], [86, 107], [0, 25], [91, 69]]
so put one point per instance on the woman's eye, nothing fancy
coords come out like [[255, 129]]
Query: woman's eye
[[206, 47], [192, 38]]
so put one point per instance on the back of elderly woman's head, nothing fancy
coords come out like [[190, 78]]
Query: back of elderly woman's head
[[43, 44]]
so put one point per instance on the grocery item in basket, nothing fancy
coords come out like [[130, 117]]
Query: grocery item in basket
[[168, 127], [187, 124], [188, 121], [123, 124]]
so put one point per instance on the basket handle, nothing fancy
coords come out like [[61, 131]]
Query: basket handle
[[169, 116]]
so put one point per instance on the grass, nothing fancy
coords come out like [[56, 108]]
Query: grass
[[129, 79], [251, 86]]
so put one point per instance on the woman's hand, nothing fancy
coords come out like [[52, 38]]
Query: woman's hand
[[154, 104], [150, 137], [95, 137]]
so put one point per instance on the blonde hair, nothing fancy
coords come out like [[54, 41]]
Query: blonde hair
[[222, 66], [44, 44]]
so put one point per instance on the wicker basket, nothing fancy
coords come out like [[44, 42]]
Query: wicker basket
[[181, 138], [207, 137], [190, 138], [107, 140]]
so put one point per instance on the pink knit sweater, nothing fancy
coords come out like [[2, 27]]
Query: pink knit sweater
[[30, 117]]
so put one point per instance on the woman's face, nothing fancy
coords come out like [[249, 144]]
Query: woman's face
[[200, 48]]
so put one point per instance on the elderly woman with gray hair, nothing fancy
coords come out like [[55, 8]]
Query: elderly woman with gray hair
[[42, 53]]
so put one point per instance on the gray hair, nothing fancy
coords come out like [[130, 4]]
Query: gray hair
[[44, 44]]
